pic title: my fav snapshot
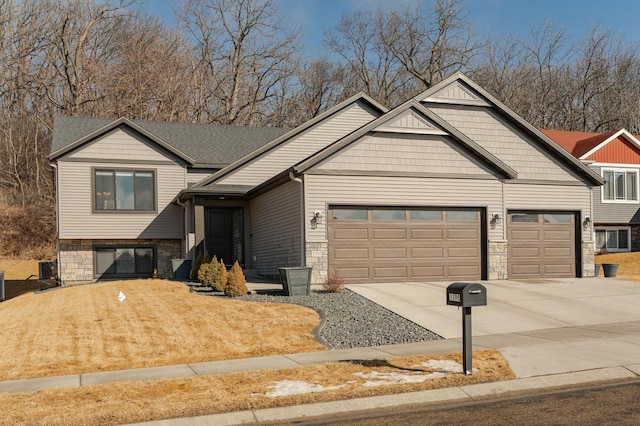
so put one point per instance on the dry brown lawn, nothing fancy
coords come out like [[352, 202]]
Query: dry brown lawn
[[86, 328], [19, 269], [629, 268], [129, 402]]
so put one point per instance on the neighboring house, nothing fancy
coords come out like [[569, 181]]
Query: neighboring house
[[616, 206], [451, 185]]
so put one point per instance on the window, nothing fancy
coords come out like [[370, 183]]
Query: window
[[124, 261], [388, 214], [426, 215], [462, 215], [350, 214], [525, 217], [557, 218], [612, 239], [124, 190], [620, 185]]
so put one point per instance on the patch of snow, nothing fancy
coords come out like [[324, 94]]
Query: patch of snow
[[445, 365], [295, 387], [376, 378]]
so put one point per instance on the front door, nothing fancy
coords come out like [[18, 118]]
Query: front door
[[223, 234]]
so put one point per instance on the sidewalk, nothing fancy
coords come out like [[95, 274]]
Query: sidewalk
[[539, 358]]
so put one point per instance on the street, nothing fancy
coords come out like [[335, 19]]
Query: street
[[604, 404]]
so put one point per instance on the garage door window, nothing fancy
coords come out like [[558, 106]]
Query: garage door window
[[557, 218], [388, 215], [524, 217], [426, 215], [462, 215], [350, 214]]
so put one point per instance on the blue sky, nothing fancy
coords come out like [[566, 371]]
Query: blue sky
[[515, 17]]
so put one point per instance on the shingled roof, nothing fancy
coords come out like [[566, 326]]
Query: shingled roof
[[207, 144]]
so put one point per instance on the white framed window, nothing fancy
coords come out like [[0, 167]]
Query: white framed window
[[613, 239], [620, 186]]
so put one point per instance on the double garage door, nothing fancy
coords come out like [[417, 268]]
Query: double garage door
[[377, 244], [387, 245]]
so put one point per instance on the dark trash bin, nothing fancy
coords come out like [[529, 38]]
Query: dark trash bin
[[296, 281], [610, 269], [597, 270]]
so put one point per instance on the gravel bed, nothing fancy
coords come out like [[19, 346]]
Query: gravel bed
[[350, 320]]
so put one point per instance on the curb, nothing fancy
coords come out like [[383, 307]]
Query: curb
[[463, 393]]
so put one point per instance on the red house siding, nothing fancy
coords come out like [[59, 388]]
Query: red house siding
[[618, 151]]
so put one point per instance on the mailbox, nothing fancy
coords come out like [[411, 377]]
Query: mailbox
[[466, 294]]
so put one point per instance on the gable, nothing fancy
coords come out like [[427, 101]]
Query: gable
[[456, 93], [529, 157], [121, 144], [299, 147], [410, 122], [619, 150], [406, 154]]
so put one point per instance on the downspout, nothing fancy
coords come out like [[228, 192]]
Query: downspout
[[59, 280], [303, 243]]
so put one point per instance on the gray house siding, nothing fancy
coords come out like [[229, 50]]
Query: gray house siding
[[275, 234], [614, 212], [118, 150], [302, 146], [406, 153], [501, 139]]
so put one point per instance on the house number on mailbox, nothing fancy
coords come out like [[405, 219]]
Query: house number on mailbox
[[454, 297]]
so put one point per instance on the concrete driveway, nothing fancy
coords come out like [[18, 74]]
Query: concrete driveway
[[513, 306]]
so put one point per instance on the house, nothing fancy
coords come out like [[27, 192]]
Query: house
[[616, 208], [450, 185]]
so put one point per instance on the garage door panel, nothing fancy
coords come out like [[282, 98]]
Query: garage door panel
[[354, 273], [389, 234], [463, 252], [558, 252], [351, 253], [463, 271], [350, 234], [427, 252], [563, 270], [384, 250], [427, 234], [435, 272], [557, 234], [525, 235], [390, 272], [521, 271], [525, 252], [389, 253], [471, 234]]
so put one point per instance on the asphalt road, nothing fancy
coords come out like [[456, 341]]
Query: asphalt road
[[604, 404]]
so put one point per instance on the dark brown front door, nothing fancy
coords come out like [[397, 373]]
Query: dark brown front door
[[223, 233]]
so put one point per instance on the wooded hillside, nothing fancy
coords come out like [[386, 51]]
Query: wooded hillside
[[233, 62]]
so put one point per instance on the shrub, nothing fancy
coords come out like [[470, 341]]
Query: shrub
[[202, 269], [236, 282], [195, 268], [334, 284], [220, 279]]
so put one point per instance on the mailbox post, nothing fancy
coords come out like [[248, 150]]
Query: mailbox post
[[466, 295]]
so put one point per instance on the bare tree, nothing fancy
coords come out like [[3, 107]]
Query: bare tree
[[245, 55]]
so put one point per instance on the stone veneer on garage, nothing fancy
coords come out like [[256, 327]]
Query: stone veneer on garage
[[318, 259], [498, 260], [76, 257]]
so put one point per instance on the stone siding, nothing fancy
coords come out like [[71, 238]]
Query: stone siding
[[588, 259], [76, 257], [498, 260], [318, 258]]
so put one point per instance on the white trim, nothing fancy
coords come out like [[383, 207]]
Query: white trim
[[621, 132], [613, 228]]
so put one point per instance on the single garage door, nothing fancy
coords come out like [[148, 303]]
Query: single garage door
[[541, 245], [370, 244]]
